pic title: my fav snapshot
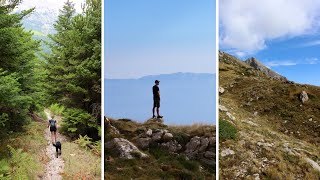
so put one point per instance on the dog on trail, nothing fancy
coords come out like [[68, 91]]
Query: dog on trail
[[58, 148]]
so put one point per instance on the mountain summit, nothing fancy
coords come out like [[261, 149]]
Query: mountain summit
[[256, 64]]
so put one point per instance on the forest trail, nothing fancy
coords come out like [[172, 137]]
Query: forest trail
[[55, 166]]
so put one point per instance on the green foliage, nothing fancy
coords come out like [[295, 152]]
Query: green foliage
[[78, 122], [20, 165], [74, 68], [56, 109], [22, 74], [227, 130], [83, 141]]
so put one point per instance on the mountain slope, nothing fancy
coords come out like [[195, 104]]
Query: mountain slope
[[275, 134]]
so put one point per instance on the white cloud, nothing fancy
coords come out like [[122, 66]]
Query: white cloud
[[246, 25], [274, 63]]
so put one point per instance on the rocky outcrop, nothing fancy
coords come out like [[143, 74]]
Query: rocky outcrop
[[253, 62], [109, 128], [125, 148]]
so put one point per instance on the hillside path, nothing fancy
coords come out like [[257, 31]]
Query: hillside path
[[55, 166]]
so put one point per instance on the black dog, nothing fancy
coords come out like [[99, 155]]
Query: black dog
[[58, 147]]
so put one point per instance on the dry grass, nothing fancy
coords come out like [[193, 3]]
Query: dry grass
[[80, 163]]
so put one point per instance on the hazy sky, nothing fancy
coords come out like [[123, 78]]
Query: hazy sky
[[144, 37], [49, 4], [283, 34]]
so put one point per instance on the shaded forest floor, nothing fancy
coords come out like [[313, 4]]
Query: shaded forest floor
[[32, 155]]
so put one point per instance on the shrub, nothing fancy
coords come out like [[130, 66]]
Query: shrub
[[19, 166], [56, 109], [77, 122], [227, 130]]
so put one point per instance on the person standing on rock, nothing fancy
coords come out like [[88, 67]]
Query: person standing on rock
[[156, 99], [53, 130]]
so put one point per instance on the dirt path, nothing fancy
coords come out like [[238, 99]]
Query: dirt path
[[55, 165]]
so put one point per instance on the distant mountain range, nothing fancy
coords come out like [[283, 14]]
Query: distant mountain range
[[186, 98]]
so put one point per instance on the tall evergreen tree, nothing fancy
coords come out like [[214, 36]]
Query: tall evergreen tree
[[19, 82]]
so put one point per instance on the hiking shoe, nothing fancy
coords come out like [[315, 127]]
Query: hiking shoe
[[153, 116], [159, 116]]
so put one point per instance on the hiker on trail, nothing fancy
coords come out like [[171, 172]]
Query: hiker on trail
[[53, 130], [156, 99]]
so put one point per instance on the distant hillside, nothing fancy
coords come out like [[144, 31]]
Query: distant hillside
[[153, 150], [186, 98], [269, 127]]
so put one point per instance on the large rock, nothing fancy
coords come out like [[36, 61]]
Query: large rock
[[143, 143], [227, 152], [193, 145], [172, 146], [167, 137], [204, 144], [221, 90], [210, 155], [212, 141], [157, 136], [304, 97], [125, 148], [149, 132]]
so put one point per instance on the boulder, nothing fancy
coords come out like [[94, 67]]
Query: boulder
[[210, 155], [143, 143], [221, 90], [304, 97], [124, 148], [157, 136], [204, 144], [172, 146], [149, 132], [167, 137], [227, 152], [193, 145], [212, 141]]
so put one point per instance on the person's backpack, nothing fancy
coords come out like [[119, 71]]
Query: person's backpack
[[52, 123]]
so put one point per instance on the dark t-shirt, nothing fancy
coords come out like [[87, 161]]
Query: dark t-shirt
[[155, 90]]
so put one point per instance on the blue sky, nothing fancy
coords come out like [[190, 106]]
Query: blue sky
[[144, 37], [283, 34]]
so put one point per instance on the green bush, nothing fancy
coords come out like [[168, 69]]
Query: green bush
[[227, 130], [20, 165], [77, 122], [56, 109]]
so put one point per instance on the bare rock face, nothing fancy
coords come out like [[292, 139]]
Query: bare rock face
[[125, 148], [143, 143], [304, 97]]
